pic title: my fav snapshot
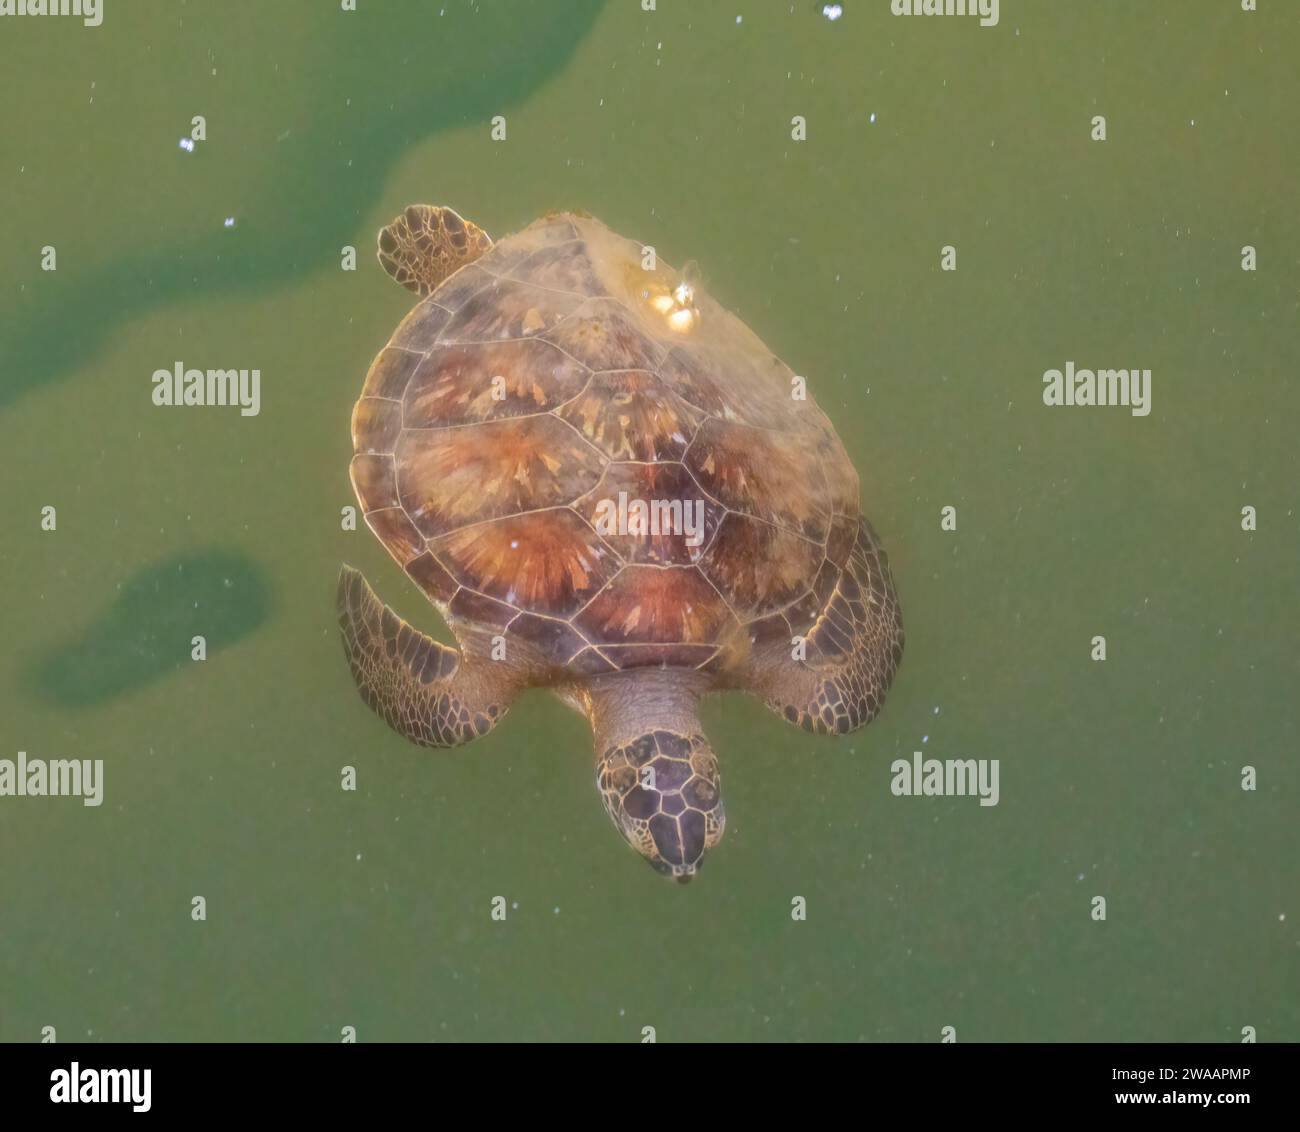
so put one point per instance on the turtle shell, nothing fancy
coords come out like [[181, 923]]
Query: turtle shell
[[555, 377]]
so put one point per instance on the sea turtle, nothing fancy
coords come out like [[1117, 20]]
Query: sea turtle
[[611, 488]]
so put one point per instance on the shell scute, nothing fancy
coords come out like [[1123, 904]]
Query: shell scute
[[390, 373], [470, 605], [660, 656], [802, 614], [546, 562], [432, 577], [731, 387], [553, 638], [452, 477], [602, 335], [655, 605], [506, 308], [374, 481], [839, 542], [769, 629], [590, 662], [459, 288], [376, 425], [673, 526], [561, 267], [760, 567], [419, 330], [630, 415], [762, 474], [467, 383], [397, 532]]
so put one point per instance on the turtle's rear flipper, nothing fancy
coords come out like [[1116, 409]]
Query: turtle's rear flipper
[[419, 687], [853, 650], [426, 243]]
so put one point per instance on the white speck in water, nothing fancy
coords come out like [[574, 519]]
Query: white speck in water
[[832, 11], [556, 909], [740, 19], [358, 856], [872, 119], [229, 222], [187, 144], [515, 905]]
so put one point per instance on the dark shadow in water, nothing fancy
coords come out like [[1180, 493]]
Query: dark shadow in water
[[216, 594], [407, 78]]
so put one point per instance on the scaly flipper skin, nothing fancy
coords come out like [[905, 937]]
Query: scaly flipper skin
[[418, 686], [853, 650], [427, 243]]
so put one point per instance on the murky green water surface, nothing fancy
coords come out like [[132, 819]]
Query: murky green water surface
[[371, 909]]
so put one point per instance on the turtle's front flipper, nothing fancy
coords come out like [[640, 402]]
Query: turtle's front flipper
[[426, 243], [419, 687]]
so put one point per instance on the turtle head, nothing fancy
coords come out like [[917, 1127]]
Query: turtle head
[[656, 772], [663, 793]]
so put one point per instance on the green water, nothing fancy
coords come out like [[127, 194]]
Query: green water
[[371, 909]]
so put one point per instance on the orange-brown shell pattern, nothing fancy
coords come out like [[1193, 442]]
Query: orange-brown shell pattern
[[549, 376]]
